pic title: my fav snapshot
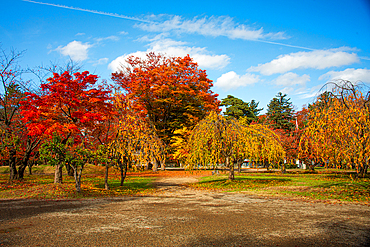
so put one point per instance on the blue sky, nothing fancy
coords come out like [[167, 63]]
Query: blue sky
[[250, 49]]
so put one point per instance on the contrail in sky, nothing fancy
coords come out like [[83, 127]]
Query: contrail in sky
[[90, 11], [287, 45], [143, 20]]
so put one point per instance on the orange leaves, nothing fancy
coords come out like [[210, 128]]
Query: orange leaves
[[338, 127], [171, 91]]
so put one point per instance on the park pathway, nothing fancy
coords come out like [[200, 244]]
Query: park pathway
[[177, 215]]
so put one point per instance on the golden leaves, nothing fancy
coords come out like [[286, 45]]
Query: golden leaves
[[338, 129], [215, 139]]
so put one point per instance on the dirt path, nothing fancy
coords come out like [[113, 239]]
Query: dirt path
[[179, 216]]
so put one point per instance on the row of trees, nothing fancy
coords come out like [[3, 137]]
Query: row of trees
[[162, 109], [73, 119], [332, 131]]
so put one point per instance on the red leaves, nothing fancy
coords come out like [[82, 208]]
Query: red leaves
[[66, 104]]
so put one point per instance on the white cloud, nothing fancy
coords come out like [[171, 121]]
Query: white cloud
[[318, 59], [212, 26], [309, 93], [76, 50], [100, 61], [290, 79], [178, 49], [286, 90], [352, 75], [112, 37], [120, 61], [231, 80]]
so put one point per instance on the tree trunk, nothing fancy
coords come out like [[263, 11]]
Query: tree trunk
[[30, 168], [231, 168], [266, 165], [31, 145], [312, 166], [239, 162], [283, 168], [58, 178], [106, 185], [155, 165], [123, 171], [70, 170], [366, 167], [163, 165], [23, 165], [12, 165], [21, 170], [77, 176]]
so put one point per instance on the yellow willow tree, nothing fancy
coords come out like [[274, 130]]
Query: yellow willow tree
[[338, 129], [267, 145], [179, 143], [217, 140], [136, 142]]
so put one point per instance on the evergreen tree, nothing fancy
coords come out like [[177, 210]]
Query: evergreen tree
[[280, 112], [237, 108]]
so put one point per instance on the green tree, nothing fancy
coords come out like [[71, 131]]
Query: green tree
[[280, 113], [237, 108]]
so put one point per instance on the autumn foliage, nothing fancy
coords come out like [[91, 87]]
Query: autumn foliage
[[170, 91], [217, 140], [338, 129], [66, 105], [163, 109]]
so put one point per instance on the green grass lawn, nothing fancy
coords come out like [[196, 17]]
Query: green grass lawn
[[43, 187], [325, 185], [322, 186]]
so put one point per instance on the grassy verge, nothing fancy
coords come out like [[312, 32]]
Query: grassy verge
[[42, 187], [332, 187]]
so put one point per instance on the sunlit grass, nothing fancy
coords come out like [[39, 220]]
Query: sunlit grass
[[322, 186], [42, 187], [325, 185]]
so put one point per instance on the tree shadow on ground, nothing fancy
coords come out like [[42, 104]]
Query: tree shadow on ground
[[24, 208]]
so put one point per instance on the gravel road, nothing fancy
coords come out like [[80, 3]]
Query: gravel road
[[179, 216]]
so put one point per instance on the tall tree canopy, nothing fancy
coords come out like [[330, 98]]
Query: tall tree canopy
[[338, 128], [170, 91], [280, 113], [68, 104], [237, 108]]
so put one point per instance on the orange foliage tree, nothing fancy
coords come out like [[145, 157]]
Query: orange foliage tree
[[170, 91], [338, 129]]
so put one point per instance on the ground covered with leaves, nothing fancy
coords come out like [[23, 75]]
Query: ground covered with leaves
[[326, 185], [41, 185], [175, 214]]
